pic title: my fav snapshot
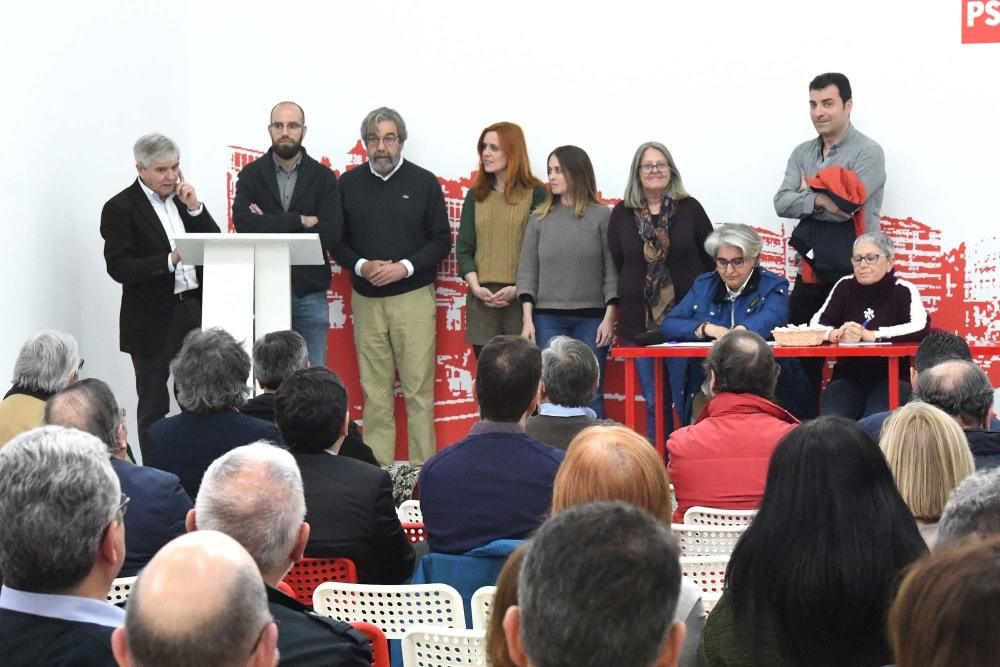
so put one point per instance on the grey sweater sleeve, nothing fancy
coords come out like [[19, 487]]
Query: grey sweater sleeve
[[788, 201], [527, 266]]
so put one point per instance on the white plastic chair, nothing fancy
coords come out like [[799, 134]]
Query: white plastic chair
[[441, 647], [395, 610], [712, 516], [482, 605], [409, 512], [708, 574], [120, 588], [706, 540]]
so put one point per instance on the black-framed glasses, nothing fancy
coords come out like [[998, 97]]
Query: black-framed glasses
[[79, 366], [736, 262], [388, 140], [292, 127], [122, 506], [870, 258], [650, 167]]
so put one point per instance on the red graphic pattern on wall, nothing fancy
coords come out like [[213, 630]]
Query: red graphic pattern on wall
[[959, 286]]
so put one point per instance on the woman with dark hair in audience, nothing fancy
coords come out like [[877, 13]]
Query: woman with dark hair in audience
[[870, 305], [566, 281], [810, 581], [616, 463], [657, 236], [947, 611], [488, 247], [929, 456]]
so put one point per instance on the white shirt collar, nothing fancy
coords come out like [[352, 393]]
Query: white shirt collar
[[153, 197], [389, 175], [556, 410]]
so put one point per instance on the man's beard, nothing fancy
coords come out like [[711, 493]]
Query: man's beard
[[287, 151]]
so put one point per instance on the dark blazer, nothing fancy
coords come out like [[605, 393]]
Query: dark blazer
[[26, 639], [155, 513], [305, 638], [135, 250], [315, 194], [350, 510], [555, 431], [186, 444]]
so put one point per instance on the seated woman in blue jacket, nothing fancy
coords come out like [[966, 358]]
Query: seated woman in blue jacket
[[738, 294]]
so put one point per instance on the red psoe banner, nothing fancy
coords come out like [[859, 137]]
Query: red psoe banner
[[980, 21]]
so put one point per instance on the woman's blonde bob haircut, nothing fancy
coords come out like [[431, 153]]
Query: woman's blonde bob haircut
[[928, 455], [612, 463]]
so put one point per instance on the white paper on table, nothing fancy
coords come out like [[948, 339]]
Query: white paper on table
[[691, 344]]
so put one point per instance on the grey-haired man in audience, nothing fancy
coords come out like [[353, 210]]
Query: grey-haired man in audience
[[972, 511], [569, 380]]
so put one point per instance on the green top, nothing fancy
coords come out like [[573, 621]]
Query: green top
[[491, 232], [726, 642]]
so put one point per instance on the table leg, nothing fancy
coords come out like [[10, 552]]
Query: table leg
[[658, 397], [893, 383], [630, 392]]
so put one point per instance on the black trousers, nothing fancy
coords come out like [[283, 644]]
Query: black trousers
[[804, 302], [152, 371]]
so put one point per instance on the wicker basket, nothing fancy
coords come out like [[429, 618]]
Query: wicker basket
[[799, 337]]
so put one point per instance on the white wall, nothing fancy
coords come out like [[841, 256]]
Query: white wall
[[723, 84]]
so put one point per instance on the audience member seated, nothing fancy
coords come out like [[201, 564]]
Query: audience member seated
[[569, 381], [157, 501], [739, 294], [200, 601], [210, 381], [254, 495], [47, 362], [972, 510], [616, 463], [810, 581], [348, 503], [948, 608], [870, 305], [61, 546], [721, 460], [504, 598], [938, 347], [928, 456], [275, 357], [496, 483], [598, 587], [963, 390]]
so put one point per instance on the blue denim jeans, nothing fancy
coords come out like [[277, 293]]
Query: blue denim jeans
[[845, 397], [645, 369], [311, 318], [584, 329]]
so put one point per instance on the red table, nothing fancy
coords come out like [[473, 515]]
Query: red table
[[891, 352]]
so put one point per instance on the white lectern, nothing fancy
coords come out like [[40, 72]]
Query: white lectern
[[247, 288]]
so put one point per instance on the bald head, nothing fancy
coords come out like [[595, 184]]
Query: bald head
[[741, 362], [201, 601], [288, 106], [89, 406], [960, 388]]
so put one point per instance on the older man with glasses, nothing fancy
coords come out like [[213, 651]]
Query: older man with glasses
[[396, 231]]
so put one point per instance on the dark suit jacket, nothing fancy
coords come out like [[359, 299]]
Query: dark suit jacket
[[186, 444], [155, 513], [26, 639], [315, 194], [306, 638], [135, 250], [350, 510], [261, 406], [555, 431]]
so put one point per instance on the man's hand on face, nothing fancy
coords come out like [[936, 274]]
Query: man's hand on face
[[186, 193]]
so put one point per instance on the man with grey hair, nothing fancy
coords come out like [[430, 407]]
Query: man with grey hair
[[47, 362], [285, 191], [569, 380], [158, 502], [567, 616], [200, 601], [254, 494], [210, 375], [61, 546], [963, 390], [161, 295], [396, 231], [972, 511]]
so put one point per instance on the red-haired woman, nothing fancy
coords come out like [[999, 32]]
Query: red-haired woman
[[494, 216]]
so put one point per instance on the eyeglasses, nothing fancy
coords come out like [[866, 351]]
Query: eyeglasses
[[737, 262], [80, 365], [292, 127], [650, 167], [122, 506], [870, 258], [388, 140]]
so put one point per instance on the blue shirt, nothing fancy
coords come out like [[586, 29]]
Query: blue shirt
[[65, 607]]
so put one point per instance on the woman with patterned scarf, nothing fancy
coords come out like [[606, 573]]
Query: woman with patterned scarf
[[656, 236]]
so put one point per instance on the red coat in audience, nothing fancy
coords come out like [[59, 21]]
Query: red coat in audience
[[721, 460]]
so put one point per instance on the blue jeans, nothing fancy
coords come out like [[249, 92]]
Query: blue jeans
[[845, 397], [584, 329], [645, 368], [311, 318]]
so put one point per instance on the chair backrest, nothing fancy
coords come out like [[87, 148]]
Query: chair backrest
[[395, 610], [380, 646], [712, 516], [441, 647], [120, 588], [707, 573], [706, 540], [309, 573], [409, 512], [482, 605], [415, 532]]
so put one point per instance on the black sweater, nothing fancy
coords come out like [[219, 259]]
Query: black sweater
[[402, 218]]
